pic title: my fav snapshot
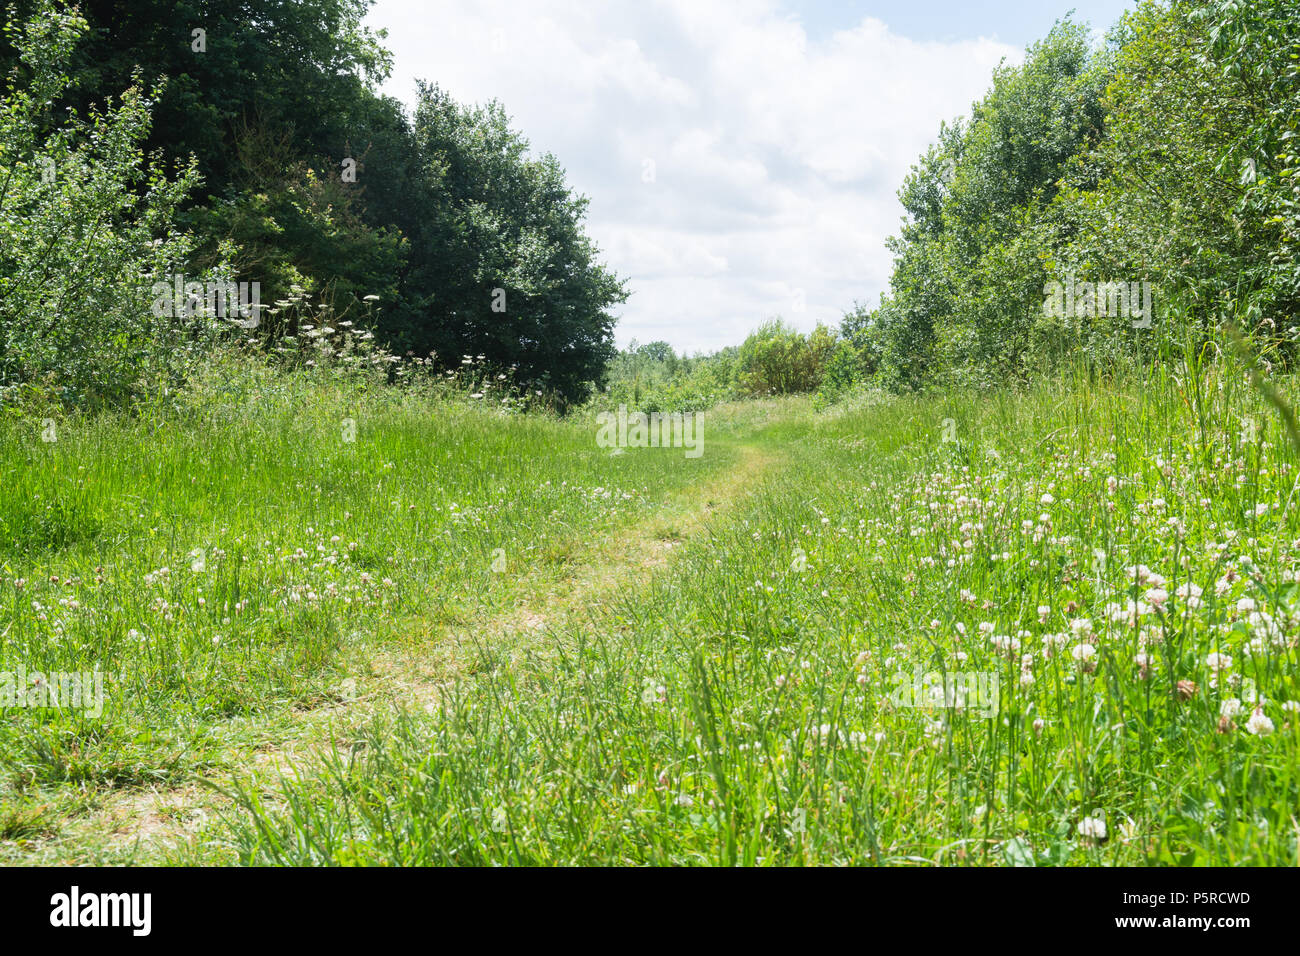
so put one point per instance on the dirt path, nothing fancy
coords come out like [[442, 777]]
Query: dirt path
[[415, 675]]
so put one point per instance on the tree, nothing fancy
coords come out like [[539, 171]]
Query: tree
[[777, 359], [501, 264], [1194, 185], [966, 291], [313, 180]]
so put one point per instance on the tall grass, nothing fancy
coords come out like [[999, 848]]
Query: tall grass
[[240, 550], [1092, 544], [1105, 569]]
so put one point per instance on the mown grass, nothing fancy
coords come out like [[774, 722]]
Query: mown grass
[[746, 709]]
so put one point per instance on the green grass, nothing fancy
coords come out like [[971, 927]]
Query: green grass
[[735, 704], [231, 560]]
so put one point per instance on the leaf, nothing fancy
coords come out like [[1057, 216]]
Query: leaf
[[1018, 852]]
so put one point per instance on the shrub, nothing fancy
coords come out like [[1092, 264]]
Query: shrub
[[85, 230]]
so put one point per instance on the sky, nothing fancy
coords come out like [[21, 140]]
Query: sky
[[742, 158]]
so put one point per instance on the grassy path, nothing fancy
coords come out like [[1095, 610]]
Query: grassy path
[[412, 674], [1110, 594], [748, 659], [595, 574]]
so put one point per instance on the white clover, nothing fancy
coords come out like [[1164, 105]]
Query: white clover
[[1191, 593], [1092, 828], [1259, 725], [1218, 662]]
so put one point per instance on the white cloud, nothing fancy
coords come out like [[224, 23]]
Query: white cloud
[[776, 159]]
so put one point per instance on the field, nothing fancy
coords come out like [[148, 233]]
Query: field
[[399, 626]]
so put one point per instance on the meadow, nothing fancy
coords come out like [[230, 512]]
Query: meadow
[[342, 624]]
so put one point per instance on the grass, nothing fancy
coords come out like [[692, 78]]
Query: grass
[[232, 561], [726, 660]]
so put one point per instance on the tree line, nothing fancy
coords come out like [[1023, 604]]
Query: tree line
[[247, 138], [1117, 203], [1112, 201]]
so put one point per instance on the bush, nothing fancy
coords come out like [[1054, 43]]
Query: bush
[[85, 230], [778, 360]]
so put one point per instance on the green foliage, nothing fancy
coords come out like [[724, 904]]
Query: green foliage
[[779, 360], [501, 258], [1193, 185], [1167, 156], [967, 285], [843, 371], [653, 378], [775, 359], [296, 224], [857, 358], [85, 230], [274, 103]]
